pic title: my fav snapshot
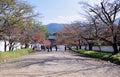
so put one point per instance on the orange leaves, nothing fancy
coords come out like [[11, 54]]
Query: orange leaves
[[38, 37], [69, 35], [69, 29]]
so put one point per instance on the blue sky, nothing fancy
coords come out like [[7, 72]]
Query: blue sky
[[58, 11]]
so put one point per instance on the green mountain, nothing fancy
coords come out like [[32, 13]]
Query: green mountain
[[54, 27]]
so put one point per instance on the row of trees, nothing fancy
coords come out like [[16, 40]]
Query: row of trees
[[17, 24], [100, 28]]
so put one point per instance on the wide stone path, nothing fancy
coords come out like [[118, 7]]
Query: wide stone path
[[57, 64]]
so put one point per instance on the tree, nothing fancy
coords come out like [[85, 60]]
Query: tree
[[4, 6], [106, 12], [32, 34], [41, 27], [14, 14], [68, 36]]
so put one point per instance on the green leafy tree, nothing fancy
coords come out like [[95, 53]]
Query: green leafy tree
[[14, 14]]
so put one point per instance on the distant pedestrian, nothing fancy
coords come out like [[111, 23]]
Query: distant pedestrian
[[34, 47], [56, 47], [65, 47], [41, 47], [44, 48], [50, 48]]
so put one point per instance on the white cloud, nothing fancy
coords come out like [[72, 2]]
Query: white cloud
[[71, 18], [64, 19]]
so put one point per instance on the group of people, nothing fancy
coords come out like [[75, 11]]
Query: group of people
[[49, 48], [44, 48]]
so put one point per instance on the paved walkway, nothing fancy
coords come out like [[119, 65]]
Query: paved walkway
[[58, 64]]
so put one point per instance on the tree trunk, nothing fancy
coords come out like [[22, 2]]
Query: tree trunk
[[114, 45], [10, 47], [119, 48], [26, 45], [69, 47], [79, 44], [90, 46], [5, 46], [77, 47]]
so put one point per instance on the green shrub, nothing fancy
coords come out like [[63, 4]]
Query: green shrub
[[13, 54], [101, 55]]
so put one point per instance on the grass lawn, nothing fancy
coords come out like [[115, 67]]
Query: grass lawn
[[14, 54], [101, 55]]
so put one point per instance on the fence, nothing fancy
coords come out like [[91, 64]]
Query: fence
[[100, 48]]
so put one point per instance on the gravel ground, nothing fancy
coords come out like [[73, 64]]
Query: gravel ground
[[58, 64]]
